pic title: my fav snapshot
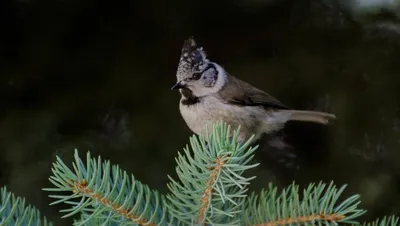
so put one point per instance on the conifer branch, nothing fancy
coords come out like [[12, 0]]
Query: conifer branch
[[303, 220], [206, 197], [13, 211], [212, 189], [318, 205], [384, 221], [83, 189], [105, 192]]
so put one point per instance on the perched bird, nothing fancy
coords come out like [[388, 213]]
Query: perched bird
[[210, 94]]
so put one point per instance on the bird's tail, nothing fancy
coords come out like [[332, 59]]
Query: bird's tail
[[311, 116]]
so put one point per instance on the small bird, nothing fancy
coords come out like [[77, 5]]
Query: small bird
[[209, 94]]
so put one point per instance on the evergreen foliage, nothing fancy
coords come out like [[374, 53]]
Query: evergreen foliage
[[107, 194], [13, 211], [213, 189], [210, 190]]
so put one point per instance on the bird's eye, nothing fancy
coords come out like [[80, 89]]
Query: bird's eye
[[196, 76]]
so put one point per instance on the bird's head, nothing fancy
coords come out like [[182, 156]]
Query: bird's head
[[196, 73]]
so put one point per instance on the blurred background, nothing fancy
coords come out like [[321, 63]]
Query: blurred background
[[96, 76]]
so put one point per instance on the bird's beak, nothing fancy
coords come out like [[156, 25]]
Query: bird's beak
[[178, 85]]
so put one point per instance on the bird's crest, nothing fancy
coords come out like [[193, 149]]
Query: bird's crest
[[193, 58]]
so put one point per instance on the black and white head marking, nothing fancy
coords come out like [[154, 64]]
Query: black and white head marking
[[196, 73]]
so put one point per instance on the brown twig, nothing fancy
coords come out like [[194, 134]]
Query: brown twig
[[81, 187], [206, 197]]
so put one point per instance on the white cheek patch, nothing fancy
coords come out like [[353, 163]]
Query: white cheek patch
[[213, 83], [201, 90], [222, 78]]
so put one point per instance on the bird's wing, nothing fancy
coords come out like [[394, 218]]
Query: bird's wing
[[241, 93]]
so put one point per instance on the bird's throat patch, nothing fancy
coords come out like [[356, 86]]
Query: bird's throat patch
[[188, 97]]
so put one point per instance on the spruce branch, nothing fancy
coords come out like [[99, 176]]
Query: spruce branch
[[212, 188], [319, 205], [13, 211], [384, 221], [107, 193]]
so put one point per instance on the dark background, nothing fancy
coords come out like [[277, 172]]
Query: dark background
[[96, 76]]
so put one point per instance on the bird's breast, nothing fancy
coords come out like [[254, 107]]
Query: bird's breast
[[210, 110]]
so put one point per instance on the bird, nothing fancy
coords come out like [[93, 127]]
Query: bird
[[210, 94]]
